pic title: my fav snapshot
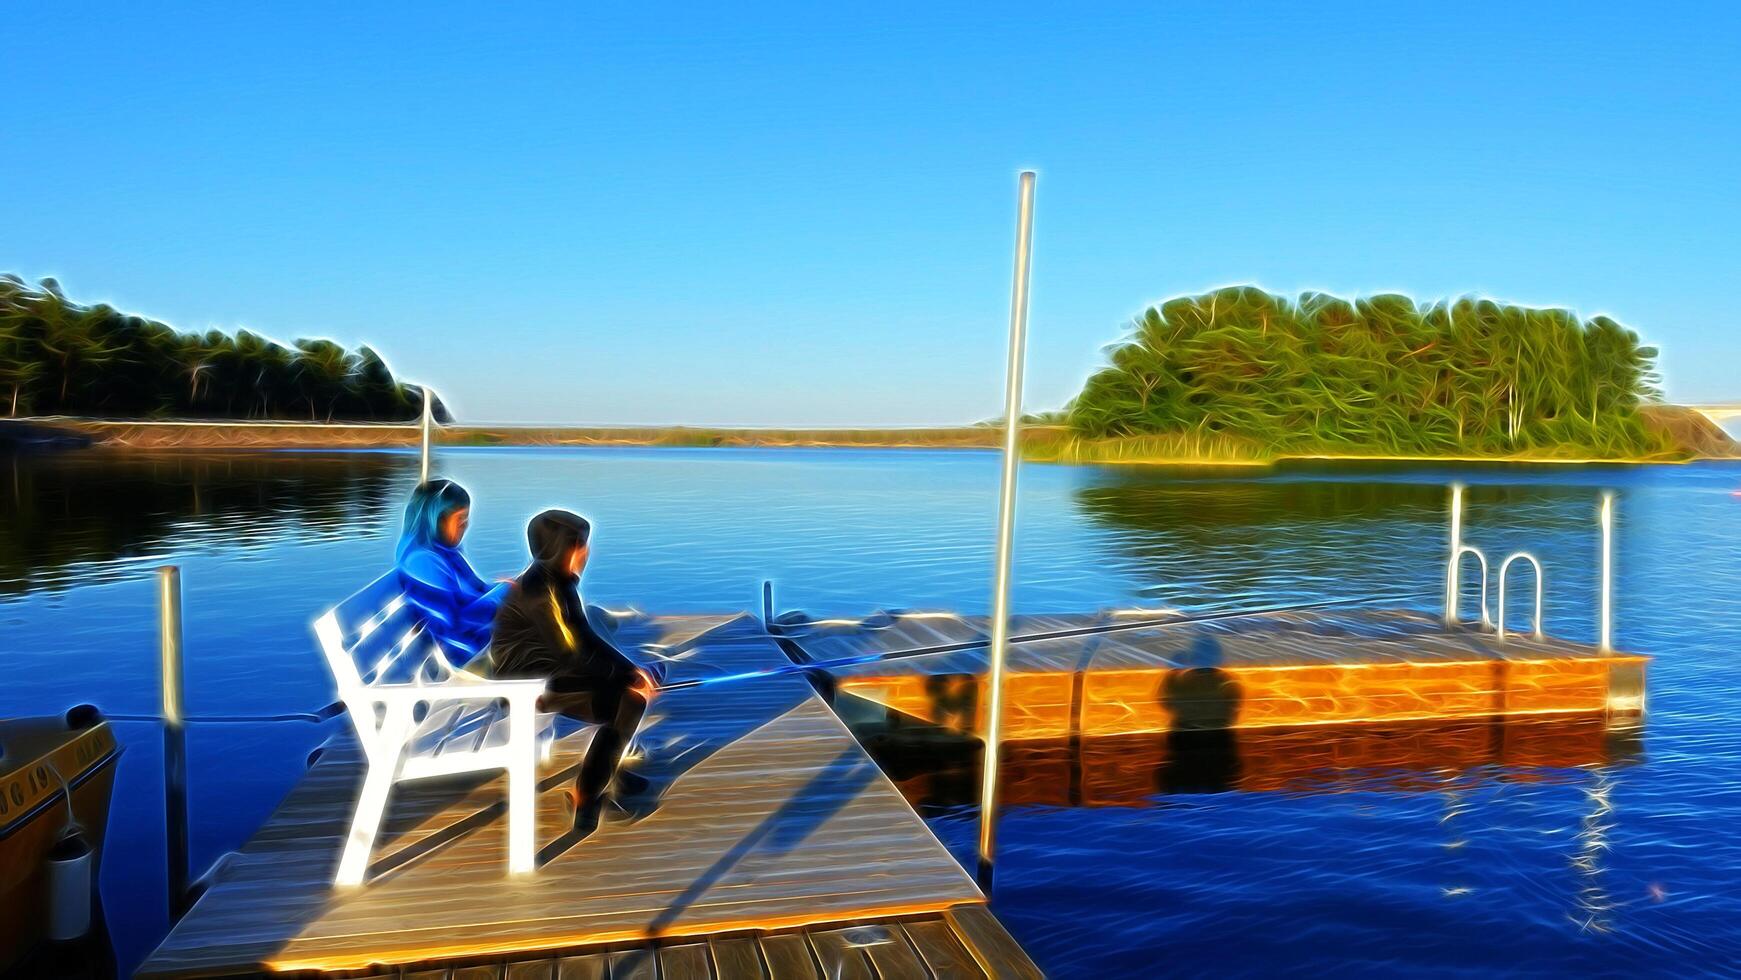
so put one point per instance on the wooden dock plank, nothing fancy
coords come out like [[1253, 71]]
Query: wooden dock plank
[[841, 956], [531, 970], [593, 966], [898, 949], [687, 961], [736, 957], [789, 958], [890, 953], [944, 955], [771, 816], [991, 946], [639, 963]]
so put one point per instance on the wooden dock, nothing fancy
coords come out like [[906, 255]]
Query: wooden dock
[[777, 848], [1277, 670]]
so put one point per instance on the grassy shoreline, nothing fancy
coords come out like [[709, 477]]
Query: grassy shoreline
[[1041, 443], [154, 434]]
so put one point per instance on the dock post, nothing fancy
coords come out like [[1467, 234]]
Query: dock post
[[767, 606], [1454, 564], [175, 829], [1606, 643], [423, 468], [1006, 519]]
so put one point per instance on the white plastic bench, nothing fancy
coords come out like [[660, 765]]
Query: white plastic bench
[[387, 667]]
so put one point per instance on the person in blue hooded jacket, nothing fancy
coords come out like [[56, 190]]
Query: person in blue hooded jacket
[[457, 604]]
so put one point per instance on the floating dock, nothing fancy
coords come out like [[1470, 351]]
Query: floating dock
[[1134, 672], [777, 849]]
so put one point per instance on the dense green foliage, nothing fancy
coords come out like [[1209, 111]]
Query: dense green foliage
[[61, 358], [1383, 375]]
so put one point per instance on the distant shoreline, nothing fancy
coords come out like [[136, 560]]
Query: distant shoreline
[[223, 434], [1042, 443]]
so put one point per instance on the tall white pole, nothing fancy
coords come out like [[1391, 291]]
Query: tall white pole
[[1606, 642], [428, 413], [1006, 522], [1454, 563]]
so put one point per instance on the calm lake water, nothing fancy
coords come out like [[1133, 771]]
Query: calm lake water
[[1624, 859]]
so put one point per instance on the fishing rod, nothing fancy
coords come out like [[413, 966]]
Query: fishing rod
[[337, 708], [1097, 629], [327, 713]]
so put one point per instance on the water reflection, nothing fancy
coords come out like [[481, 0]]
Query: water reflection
[[83, 518], [91, 957], [938, 769], [1595, 907], [1286, 538]]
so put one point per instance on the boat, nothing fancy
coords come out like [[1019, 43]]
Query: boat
[[57, 775]]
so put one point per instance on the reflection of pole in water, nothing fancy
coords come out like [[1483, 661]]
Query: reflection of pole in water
[[1594, 907], [1450, 822], [175, 830]]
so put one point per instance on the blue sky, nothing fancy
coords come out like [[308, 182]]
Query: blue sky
[[803, 214]]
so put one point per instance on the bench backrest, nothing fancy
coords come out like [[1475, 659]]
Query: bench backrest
[[376, 636]]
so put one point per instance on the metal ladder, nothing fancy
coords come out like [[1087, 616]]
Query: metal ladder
[[1454, 569]]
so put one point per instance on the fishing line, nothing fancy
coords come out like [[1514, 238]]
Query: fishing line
[[1173, 620], [325, 714], [336, 708]]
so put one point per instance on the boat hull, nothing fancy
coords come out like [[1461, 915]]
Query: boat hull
[[43, 759]]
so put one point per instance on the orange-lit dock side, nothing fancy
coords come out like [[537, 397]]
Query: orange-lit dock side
[[1278, 670]]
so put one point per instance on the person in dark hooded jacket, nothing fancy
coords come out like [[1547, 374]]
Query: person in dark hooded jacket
[[541, 630]]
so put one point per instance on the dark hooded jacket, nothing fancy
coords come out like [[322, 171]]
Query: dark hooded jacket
[[541, 629]]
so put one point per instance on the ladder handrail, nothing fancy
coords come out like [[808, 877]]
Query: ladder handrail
[[1456, 576], [1505, 566]]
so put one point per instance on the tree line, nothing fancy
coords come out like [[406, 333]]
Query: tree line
[[58, 357], [1382, 374]]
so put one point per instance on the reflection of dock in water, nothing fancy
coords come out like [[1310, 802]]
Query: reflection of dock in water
[[1274, 670], [938, 770]]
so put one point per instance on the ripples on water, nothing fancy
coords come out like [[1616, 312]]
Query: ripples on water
[[1437, 850]]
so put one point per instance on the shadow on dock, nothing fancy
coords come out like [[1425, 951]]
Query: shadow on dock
[[838, 782]]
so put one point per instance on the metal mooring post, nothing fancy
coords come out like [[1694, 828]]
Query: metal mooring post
[[428, 414], [1006, 521], [1606, 643]]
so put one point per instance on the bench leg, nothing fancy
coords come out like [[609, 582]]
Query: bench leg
[[383, 756], [522, 785]]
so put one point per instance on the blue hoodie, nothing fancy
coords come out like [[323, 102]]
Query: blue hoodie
[[458, 606]]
